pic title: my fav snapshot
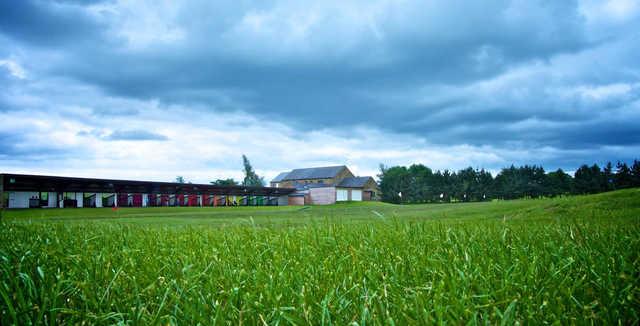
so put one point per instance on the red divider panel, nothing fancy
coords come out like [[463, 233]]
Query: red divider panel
[[123, 199], [193, 200], [137, 200]]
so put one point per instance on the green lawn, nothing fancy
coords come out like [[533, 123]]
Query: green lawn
[[564, 260]]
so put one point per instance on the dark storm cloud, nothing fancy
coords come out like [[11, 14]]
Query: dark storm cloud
[[488, 40], [47, 23], [433, 70], [140, 135]]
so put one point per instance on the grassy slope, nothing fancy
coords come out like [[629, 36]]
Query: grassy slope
[[566, 259]]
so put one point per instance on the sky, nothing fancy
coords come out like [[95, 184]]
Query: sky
[[155, 89]]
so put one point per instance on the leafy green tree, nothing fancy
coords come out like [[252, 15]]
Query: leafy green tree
[[588, 180], [438, 186], [485, 185], [394, 184], [537, 182], [224, 182], [180, 179], [467, 184], [559, 183], [635, 173], [251, 179], [624, 178], [419, 178], [508, 184]]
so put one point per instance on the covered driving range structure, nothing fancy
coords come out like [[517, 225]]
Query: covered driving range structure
[[38, 191]]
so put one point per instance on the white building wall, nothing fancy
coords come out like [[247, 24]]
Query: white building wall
[[53, 199], [20, 199], [79, 199], [356, 195], [342, 194], [98, 199]]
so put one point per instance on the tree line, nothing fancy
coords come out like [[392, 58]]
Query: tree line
[[420, 184]]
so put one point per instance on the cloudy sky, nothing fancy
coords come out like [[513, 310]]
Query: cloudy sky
[[155, 89]]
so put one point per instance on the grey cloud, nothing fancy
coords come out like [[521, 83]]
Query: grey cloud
[[17, 147], [140, 135]]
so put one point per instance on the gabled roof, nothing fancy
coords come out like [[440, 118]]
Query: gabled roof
[[314, 173], [355, 182], [280, 177], [307, 186]]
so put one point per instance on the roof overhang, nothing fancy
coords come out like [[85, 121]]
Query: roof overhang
[[42, 183]]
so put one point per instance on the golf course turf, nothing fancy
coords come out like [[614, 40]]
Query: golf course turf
[[559, 260]]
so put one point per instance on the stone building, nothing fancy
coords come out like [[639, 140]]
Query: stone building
[[326, 185]]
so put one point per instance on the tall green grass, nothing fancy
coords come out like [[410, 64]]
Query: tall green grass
[[572, 260]]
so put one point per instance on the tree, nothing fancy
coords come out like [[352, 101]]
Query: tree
[[485, 188], [635, 172], [394, 182], [251, 179], [559, 183], [180, 179], [508, 184], [467, 184], [608, 178], [448, 185], [624, 178], [419, 178], [224, 182], [588, 180]]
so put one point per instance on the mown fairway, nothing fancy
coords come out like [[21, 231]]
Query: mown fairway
[[566, 260]]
